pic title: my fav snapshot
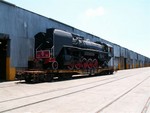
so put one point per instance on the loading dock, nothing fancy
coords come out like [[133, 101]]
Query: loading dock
[[3, 56]]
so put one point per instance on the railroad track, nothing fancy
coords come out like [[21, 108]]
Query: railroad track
[[50, 91], [146, 106], [122, 95], [106, 81]]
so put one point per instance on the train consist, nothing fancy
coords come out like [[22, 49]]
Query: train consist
[[62, 54]]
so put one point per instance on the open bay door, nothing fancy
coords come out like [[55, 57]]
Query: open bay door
[[3, 55]]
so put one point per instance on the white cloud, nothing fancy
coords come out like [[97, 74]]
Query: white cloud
[[90, 19], [90, 16], [95, 12]]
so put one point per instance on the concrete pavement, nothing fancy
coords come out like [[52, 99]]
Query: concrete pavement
[[126, 91]]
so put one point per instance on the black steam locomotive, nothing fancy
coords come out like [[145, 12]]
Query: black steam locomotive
[[58, 49]]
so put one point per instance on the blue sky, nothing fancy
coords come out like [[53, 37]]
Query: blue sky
[[124, 22]]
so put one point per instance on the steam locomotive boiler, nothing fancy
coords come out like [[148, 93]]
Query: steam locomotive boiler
[[57, 49]]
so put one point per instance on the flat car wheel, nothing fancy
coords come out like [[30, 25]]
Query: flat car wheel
[[55, 65]]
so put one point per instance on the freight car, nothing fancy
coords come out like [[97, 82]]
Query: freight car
[[62, 54]]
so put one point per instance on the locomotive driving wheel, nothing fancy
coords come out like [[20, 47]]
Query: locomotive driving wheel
[[84, 63], [78, 65], [70, 66], [95, 63], [90, 63]]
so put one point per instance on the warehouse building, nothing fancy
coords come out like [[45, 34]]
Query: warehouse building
[[17, 30]]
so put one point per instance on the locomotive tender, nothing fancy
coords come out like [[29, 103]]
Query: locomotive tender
[[60, 53]]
